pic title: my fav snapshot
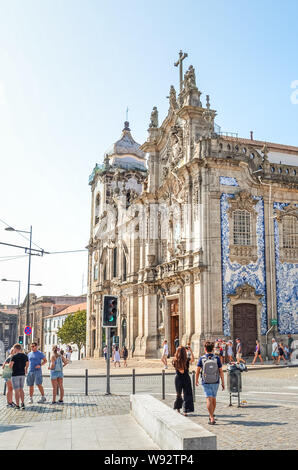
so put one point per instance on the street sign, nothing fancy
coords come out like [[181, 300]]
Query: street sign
[[28, 330], [273, 321]]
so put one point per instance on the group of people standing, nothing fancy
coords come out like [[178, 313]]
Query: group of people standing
[[117, 354], [18, 365]]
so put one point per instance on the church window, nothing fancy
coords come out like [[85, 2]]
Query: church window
[[95, 272], [97, 208], [124, 267], [242, 228], [290, 232], [128, 199], [115, 262]]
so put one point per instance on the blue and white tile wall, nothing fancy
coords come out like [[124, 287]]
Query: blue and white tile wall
[[228, 181], [234, 274], [286, 287]]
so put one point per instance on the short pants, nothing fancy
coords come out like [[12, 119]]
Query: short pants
[[18, 382], [56, 375], [34, 377], [210, 390]]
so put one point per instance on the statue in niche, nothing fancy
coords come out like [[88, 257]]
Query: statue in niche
[[176, 142], [154, 118], [165, 172]]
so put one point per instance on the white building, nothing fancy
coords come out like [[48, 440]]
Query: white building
[[51, 325]]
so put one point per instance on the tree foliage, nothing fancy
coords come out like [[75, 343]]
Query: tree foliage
[[74, 329]]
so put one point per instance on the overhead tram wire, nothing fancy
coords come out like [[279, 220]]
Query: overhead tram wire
[[21, 234]]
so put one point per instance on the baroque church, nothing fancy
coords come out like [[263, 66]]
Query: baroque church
[[195, 231]]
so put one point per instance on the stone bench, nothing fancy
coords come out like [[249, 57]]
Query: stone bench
[[167, 428]]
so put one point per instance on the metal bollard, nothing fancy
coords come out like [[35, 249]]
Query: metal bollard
[[133, 381], [163, 377], [86, 382], [194, 385]]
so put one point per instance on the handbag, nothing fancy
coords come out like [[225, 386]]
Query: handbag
[[7, 372]]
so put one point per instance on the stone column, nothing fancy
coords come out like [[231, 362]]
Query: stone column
[[150, 320]]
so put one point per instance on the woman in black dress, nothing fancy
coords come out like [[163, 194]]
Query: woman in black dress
[[183, 382]]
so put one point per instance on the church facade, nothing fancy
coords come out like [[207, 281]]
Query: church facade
[[196, 232]]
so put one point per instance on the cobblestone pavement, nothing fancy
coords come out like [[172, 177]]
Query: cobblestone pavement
[[75, 406], [269, 420]]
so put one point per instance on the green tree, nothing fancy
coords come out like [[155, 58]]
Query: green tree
[[74, 330]]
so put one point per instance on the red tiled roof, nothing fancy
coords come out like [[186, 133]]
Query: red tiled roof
[[70, 309]]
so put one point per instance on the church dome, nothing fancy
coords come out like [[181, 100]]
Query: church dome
[[126, 153]]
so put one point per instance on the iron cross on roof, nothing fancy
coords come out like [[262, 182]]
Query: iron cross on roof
[[182, 56]]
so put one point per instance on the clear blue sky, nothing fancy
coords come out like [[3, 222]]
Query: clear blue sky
[[69, 69]]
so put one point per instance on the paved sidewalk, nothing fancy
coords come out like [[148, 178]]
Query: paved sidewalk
[[118, 432], [141, 366]]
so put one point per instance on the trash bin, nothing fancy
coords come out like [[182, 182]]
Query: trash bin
[[234, 380]]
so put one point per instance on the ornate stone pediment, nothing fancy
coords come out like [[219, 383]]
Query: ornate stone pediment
[[245, 293], [290, 210], [243, 200]]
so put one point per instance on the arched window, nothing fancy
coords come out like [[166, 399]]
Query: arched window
[[105, 272], [290, 232], [115, 262], [124, 267], [95, 272], [242, 228]]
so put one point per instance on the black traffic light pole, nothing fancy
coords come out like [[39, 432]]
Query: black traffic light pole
[[109, 320], [108, 331]]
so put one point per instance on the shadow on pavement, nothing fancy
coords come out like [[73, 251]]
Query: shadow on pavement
[[256, 424], [11, 428]]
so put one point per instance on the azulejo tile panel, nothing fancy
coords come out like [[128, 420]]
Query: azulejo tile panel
[[228, 181], [286, 286], [234, 274]]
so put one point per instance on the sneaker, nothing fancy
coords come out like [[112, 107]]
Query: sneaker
[[31, 400], [42, 400], [17, 407], [23, 406], [54, 403], [60, 401]]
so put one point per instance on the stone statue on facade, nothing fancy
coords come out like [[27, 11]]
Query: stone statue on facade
[[154, 118], [190, 79], [176, 143], [173, 98]]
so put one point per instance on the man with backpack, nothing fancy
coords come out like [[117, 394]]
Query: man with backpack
[[211, 371]]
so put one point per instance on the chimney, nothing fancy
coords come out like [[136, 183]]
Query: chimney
[[251, 135]]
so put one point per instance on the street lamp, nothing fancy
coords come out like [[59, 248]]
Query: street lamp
[[11, 229]]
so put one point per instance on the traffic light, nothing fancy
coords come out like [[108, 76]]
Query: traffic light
[[110, 310], [21, 339]]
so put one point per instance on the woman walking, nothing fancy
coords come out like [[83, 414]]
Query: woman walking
[[165, 354], [56, 368], [281, 352], [230, 351], [125, 355], [6, 374], [183, 382], [257, 353], [116, 356]]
